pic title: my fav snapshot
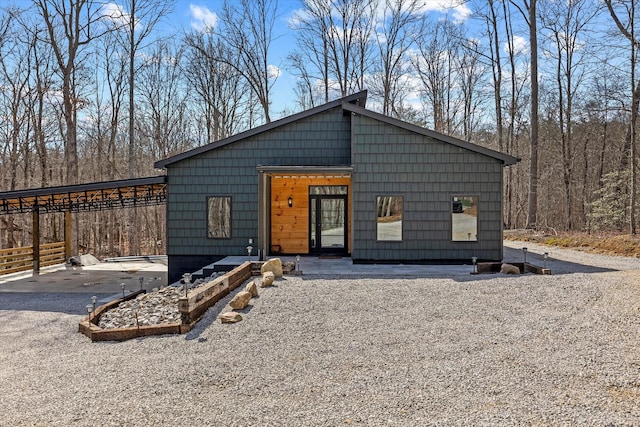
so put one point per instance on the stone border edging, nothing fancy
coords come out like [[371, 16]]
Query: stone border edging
[[524, 267], [191, 308]]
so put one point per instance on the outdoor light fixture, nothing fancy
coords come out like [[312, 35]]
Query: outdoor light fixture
[[524, 250], [290, 201], [122, 287], [474, 260], [94, 299], [249, 249], [89, 306], [545, 256], [297, 262], [141, 280], [186, 278]]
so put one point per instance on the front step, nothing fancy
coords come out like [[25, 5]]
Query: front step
[[225, 264]]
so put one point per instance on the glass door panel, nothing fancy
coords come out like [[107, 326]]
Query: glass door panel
[[327, 223], [332, 225]]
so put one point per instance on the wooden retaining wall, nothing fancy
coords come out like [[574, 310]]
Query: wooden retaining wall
[[192, 308]]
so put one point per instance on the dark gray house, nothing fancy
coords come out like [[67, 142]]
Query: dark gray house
[[335, 179]]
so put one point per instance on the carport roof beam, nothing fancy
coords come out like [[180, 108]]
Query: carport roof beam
[[94, 196]]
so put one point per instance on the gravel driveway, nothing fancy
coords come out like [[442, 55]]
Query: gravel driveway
[[329, 351]]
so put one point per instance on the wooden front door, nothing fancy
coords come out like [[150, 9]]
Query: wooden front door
[[327, 224]]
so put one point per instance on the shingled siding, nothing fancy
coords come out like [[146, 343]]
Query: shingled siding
[[388, 160], [319, 140]]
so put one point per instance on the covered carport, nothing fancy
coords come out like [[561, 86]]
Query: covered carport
[[68, 199]]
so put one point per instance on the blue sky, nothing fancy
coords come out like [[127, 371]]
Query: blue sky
[[193, 14]]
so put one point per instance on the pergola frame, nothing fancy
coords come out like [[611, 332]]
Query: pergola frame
[[67, 199]]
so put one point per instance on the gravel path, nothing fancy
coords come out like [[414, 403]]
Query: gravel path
[[328, 351]]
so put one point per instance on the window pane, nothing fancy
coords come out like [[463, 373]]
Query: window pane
[[328, 189], [464, 218], [389, 214], [219, 217]]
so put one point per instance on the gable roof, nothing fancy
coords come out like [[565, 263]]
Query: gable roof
[[359, 98], [505, 158], [354, 104]]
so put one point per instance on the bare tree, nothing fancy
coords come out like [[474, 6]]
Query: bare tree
[[399, 26], [70, 27], [628, 31], [163, 119], [246, 28], [491, 20], [138, 18], [471, 73], [219, 90], [435, 65], [528, 10], [567, 24], [334, 45], [14, 77], [135, 21]]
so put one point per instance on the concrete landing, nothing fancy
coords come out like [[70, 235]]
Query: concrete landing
[[318, 266], [102, 278]]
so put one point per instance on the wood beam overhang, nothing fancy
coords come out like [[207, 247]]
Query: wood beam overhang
[[87, 197]]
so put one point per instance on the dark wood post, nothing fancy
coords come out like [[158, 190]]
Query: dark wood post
[[36, 239], [67, 234]]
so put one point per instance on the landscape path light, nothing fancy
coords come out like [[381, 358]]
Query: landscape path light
[[141, 280], [250, 248], [89, 307], [524, 250], [474, 260], [545, 256], [122, 287], [186, 278], [94, 299]]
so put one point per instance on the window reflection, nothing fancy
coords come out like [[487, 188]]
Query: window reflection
[[389, 218], [464, 218], [219, 217]]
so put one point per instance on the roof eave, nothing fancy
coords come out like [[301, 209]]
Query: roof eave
[[506, 159]]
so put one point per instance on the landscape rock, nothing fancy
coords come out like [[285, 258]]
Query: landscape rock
[[509, 269], [288, 266], [160, 306], [267, 279], [230, 317], [241, 300], [274, 265], [252, 288]]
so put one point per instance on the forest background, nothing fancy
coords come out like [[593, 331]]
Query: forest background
[[92, 90]]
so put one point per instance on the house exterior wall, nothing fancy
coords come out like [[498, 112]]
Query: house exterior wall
[[391, 161], [322, 139]]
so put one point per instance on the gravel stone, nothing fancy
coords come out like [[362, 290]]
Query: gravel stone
[[463, 350]]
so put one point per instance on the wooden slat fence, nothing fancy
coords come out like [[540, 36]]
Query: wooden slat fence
[[21, 259]]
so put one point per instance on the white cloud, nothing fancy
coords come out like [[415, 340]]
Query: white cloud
[[457, 8], [115, 13], [297, 17], [520, 45], [273, 72], [202, 19]]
